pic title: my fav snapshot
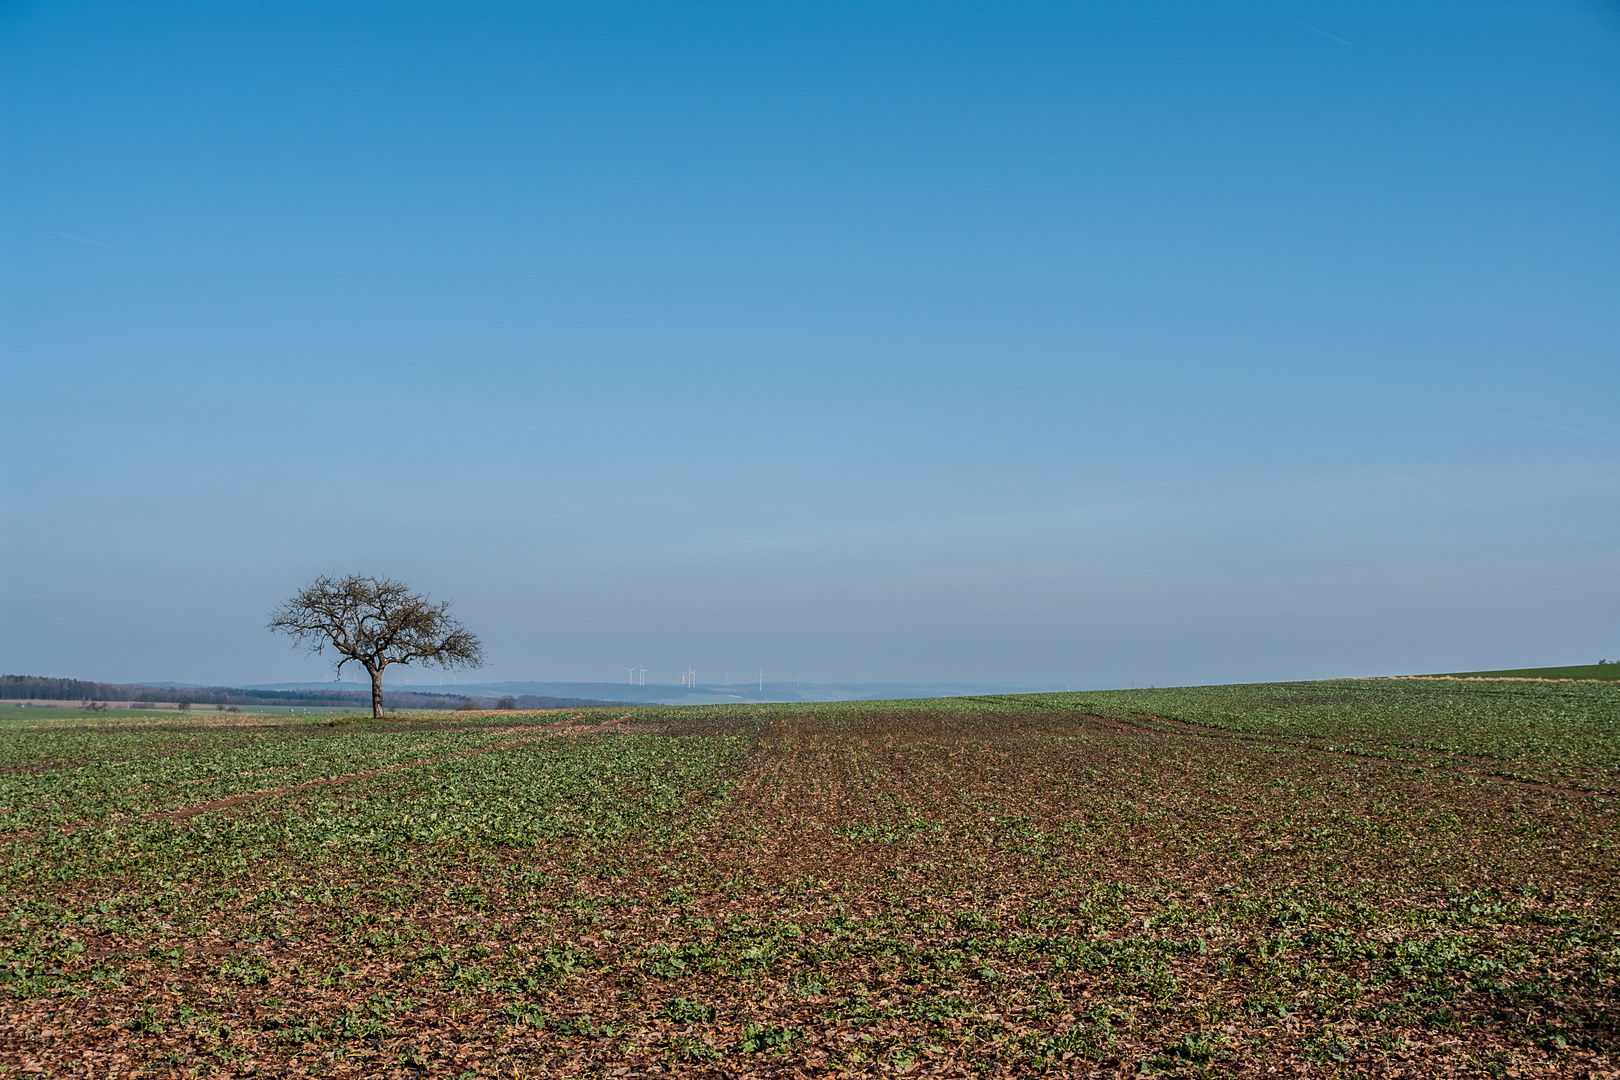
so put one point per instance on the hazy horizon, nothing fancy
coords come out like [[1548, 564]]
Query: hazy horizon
[[1024, 344]]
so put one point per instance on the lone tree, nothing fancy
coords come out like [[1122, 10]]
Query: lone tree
[[376, 622]]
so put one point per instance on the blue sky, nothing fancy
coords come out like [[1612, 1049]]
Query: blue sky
[[1038, 343]]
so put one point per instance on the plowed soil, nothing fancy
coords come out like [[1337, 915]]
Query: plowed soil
[[867, 890]]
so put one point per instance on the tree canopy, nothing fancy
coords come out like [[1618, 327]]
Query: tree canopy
[[375, 622]]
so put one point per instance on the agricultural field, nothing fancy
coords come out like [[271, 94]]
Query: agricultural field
[[1357, 878], [1607, 670]]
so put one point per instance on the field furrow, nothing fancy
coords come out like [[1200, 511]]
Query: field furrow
[[1310, 879]]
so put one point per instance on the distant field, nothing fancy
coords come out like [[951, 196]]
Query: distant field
[[1370, 877], [47, 713], [1607, 672]]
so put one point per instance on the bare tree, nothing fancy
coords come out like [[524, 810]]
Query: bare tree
[[376, 622]]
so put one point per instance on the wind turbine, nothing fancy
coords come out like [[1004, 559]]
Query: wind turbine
[[632, 672], [643, 676], [762, 680], [691, 673]]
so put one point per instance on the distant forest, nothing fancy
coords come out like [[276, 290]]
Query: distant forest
[[47, 689]]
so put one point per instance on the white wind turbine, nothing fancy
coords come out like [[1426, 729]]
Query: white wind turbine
[[632, 672], [643, 676], [762, 680]]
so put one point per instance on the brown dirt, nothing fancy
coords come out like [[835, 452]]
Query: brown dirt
[[898, 846]]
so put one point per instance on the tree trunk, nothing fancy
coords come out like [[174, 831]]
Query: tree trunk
[[376, 692]]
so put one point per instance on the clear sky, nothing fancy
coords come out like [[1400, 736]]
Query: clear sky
[[1064, 343]]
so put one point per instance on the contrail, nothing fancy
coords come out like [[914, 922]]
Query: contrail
[[1319, 30], [82, 240], [1521, 419], [1561, 427]]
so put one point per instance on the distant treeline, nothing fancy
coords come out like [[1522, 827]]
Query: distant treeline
[[35, 686], [47, 689]]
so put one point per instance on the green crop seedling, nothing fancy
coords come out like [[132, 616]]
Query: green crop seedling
[[1361, 877]]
